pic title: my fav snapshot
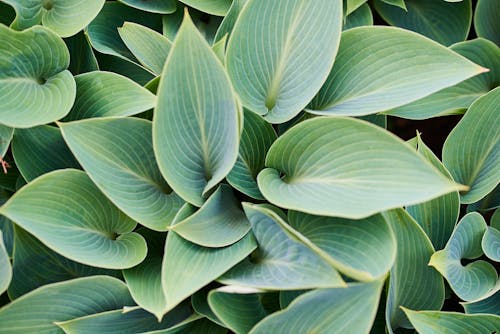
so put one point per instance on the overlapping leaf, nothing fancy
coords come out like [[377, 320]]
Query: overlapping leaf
[[214, 7], [227, 25], [5, 266], [485, 22], [155, 6], [360, 17]]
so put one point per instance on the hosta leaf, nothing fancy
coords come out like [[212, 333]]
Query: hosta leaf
[[485, 22], [117, 154], [199, 301], [35, 265], [219, 222], [362, 249], [486, 304], [124, 67], [437, 217], [34, 63], [360, 17], [444, 22], [101, 94], [193, 325], [412, 282], [7, 228], [475, 162], [434, 322], [398, 3], [353, 5], [214, 7], [283, 260], [491, 240], [288, 48], [5, 266], [227, 25], [155, 6], [37, 311], [348, 310], [476, 279], [458, 98], [69, 214], [64, 17], [148, 46], [6, 134], [82, 57], [256, 139], [372, 73], [219, 49], [487, 203], [332, 164], [196, 125], [40, 150]]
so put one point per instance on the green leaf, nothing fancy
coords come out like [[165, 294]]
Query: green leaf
[[82, 57], [101, 94], [442, 21], [256, 139], [491, 243], [124, 67], [458, 98], [214, 7], [196, 125], [437, 217], [288, 48], [118, 156], [193, 325], [348, 310], [219, 222], [474, 162], [65, 18], [360, 17], [34, 63], [486, 304], [227, 25], [6, 134], [412, 282], [381, 76], [200, 305], [40, 150], [331, 164], [148, 46], [475, 279], [485, 20], [7, 229], [398, 3], [434, 322], [487, 203], [283, 261], [37, 311], [154, 6], [69, 214], [5, 266], [362, 249]]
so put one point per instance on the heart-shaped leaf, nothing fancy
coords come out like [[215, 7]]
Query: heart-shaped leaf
[[214, 7], [485, 20], [154, 6], [5, 266]]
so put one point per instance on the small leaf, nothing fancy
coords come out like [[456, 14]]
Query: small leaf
[[154, 6], [485, 22], [214, 7], [5, 266]]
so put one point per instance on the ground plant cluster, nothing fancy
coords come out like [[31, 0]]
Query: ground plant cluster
[[239, 166]]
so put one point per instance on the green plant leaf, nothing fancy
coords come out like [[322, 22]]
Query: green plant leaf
[[458, 98], [148, 46], [90, 229], [485, 22], [7, 14], [196, 125], [199, 301], [193, 325], [288, 48], [256, 139], [6, 134], [34, 63], [360, 17], [124, 67], [487, 203], [227, 25], [283, 261], [474, 162], [214, 7], [101, 94], [348, 310], [398, 3], [412, 282], [434, 322], [486, 304], [37, 311], [81, 55], [491, 243], [7, 228], [117, 154], [373, 74], [154, 6], [5, 266], [40, 150], [66, 18], [362, 249], [219, 222], [353, 5], [331, 164], [442, 21], [475, 279]]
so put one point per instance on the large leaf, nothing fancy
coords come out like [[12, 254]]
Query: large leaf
[[487, 203], [227, 25], [360, 17], [491, 243], [37, 311], [379, 68], [69, 214], [34, 63], [476, 279], [214, 7], [332, 164], [82, 57], [155, 6], [65, 18], [362, 249], [485, 22], [287, 48], [474, 162], [5, 266], [283, 261], [196, 125], [485, 304], [349, 310], [117, 153], [412, 282]]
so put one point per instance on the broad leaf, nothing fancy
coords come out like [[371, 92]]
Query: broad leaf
[[193, 325], [5, 266], [199, 301], [485, 20], [7, 228], [155, 6], [82, 57], [69, 214], [372, 74], [491, 243], [6, 134], [487, 203], [332, 164], [287, 48], [486, 304], [196, 125], [227, 25], [353, 5], [474, 162], [360, 17], [124, 67], [34, 63], [214, 7], [117, 154], [398, 3]]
